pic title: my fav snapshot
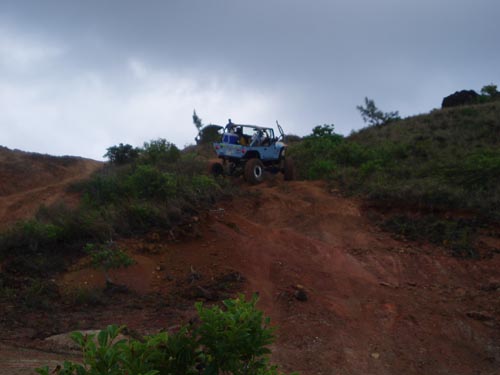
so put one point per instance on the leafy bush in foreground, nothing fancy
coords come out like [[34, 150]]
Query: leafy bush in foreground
[[232, 340]]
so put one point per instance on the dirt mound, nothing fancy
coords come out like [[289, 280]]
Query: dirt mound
[[30, 180], [346, 296]]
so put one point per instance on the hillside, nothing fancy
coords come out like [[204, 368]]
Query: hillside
[[374, 304], [457, 129], [347, 294], [433, 177], [448, 159], [30, 180]]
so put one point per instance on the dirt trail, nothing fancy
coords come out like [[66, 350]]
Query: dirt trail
[[30, 180], [374, 305]]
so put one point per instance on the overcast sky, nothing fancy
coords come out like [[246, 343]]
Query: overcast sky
[[79, 76]]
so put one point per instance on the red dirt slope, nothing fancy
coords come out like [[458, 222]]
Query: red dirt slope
[[374, 305], [28, 180]]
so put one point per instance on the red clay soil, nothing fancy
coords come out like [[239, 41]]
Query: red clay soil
[[346, 297]]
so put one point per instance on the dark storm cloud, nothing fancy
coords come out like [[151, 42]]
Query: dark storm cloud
[[303, 62]]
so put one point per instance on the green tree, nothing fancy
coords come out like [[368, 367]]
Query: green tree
[[323, 130], [208, 134], [160, 150], [374, 116], [490, 90], [197, 121], [122, 154]]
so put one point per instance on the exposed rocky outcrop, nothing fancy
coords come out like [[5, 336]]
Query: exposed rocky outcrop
[[460, 98]]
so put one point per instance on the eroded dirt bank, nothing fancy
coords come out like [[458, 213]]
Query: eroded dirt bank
[[374, 305]]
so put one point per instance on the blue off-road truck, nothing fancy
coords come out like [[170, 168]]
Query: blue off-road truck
[[250, 150]]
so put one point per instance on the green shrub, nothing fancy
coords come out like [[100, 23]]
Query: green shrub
[[313, 156], [318, 169], [480, 170], [233, 340], [107, 257], [370, 167], [29, 237], [324, 131], [105, 187], [457, 235], [349, 154], [163, 353], [148, 182], [85, 297], [138, 217], [191, 163], [490, 90], [39, 294], [133, 199], [159, 151], [201, 189]]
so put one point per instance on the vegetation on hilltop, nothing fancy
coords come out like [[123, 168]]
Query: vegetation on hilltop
[[447, 160], [374, 116]]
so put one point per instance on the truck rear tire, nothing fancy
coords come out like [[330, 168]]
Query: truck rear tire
[[216, 169], [254, 171]]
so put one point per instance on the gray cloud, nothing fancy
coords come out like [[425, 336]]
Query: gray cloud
[[95, 73]]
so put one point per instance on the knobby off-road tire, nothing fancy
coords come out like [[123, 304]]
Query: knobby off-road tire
[[254, 171], [216, 169], [289, 170]]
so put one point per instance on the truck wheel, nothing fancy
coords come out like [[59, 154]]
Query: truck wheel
[[216, 169], [254, 171], [289, 170]]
